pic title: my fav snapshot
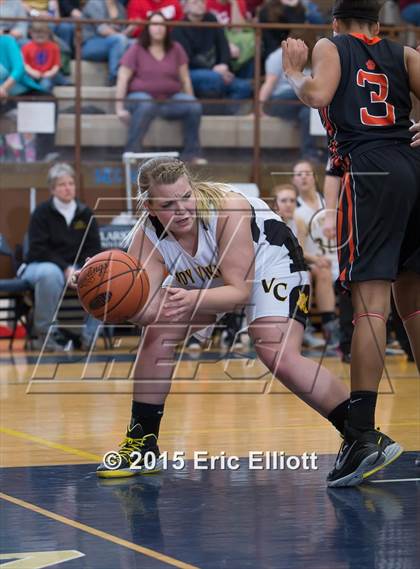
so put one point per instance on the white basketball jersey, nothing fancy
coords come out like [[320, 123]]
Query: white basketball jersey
[[316, 243], [274, 245]]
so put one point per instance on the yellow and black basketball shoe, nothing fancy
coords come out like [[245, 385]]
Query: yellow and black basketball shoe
[[138, 454], [361, 454]]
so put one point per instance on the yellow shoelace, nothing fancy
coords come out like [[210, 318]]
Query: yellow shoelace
[[129, 445]]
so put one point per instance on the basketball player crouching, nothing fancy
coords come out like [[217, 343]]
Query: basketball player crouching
[[222, 250]]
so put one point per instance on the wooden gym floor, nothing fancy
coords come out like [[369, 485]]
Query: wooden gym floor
[[56, 426]]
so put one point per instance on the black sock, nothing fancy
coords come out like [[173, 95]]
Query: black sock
[[362, 410], [327, 317], [148, 416], [339, 415]]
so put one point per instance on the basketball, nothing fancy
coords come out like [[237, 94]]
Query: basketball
[[112, 286]]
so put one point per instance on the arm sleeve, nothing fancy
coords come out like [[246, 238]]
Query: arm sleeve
[[129, 59], [273, 67], [56, 55], [181, 54], [242, 7], [222, 46], [21, 26], [179, 11], [135, 10], [178, 36], [93, 10], [16, 60], [39, 246]]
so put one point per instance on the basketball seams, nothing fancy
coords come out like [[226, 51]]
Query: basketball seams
[[123, 297], [103, 282], [136, 284]]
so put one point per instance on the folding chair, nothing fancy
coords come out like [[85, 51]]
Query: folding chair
[[18, 294]]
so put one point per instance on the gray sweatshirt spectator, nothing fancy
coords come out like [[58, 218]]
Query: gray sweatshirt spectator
[[98, 9], [13, 9], [105, 42]]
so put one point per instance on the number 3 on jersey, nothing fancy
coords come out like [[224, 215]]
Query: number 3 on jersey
[[379, 98]]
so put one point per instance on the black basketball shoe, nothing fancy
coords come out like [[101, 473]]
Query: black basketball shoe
[[138, 454], [361, 454]]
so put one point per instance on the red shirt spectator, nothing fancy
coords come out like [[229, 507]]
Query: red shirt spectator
[[141, 10], [41, 56], [223, 10]]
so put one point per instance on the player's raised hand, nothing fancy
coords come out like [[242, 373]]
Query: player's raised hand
[[415, 141], [295, 55]]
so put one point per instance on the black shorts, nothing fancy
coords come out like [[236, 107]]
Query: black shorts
[[378, 218]]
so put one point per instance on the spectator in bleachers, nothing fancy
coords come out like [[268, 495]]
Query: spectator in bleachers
[[105, 42], [57, 230], [50, 9], [42, 58], [320, 254], [274, 95], [241, 40], [410, 11], [285, 12], [154, 69], [14, 9], [142, 10], [209, 57], [13, 78], [68, 9], [15, 81], [279, 12]]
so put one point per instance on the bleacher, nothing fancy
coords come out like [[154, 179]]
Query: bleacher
[[107, 130]]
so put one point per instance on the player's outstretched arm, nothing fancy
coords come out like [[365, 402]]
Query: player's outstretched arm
[[318, 90]]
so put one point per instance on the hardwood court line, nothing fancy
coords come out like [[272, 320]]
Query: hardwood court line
[[97, 458], [264, 429], [395, 480], [98, 533], [45, 442]]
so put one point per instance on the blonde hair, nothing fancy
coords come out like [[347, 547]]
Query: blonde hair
[[163, 170]]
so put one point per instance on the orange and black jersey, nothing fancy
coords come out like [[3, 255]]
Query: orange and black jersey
[[372, 104]]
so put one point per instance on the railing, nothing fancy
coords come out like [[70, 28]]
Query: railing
[[324, 30]]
